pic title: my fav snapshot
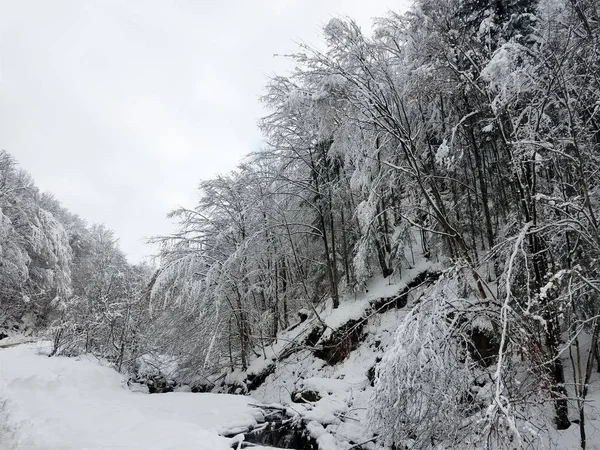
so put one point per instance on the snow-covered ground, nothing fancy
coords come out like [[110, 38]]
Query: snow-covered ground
[[352, 307], [337, 418], [344, 388], [65, 403]]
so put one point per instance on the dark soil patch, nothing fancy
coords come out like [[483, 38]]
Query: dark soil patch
[[484, 346], [314, 336], [342, 342]]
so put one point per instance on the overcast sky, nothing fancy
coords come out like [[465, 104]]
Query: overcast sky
[[120, 108]]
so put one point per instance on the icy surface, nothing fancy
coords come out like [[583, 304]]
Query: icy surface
[[63, 403]]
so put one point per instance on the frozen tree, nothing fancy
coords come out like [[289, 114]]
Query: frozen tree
[[423, 383], [35, 249]]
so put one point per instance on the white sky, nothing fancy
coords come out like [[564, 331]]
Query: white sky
[[121, 107]]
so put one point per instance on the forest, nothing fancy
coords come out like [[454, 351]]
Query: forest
[[464, 132]]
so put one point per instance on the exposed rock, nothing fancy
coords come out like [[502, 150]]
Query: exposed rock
[[285, 434], [278, 431], [158, 384], [305, 396], [372, 371], [256, 379], [303, 315], [315, 335], [400, 300]]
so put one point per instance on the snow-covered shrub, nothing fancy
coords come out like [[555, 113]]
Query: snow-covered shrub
[[422, 393], [436, 388]]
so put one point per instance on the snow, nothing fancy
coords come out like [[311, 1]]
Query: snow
[[284, 340], [236, 377], [339, 416], [377, 287], [63, 403], [324, 386], [338, 419], [442, 153], [325, 440], [149, 364], [569, 439], [14, 340], [352, 307]]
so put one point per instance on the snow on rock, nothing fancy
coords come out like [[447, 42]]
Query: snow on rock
[[378, 287], [237, 379], [325, 440], [337, 419], [64, 403], [324, 386]]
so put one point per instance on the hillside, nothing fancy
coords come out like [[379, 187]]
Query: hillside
[[326, 380], [409, 259]]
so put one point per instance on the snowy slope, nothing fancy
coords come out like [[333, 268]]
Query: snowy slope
[[63, 403], [337, 419], [344, 388], [352, 307]]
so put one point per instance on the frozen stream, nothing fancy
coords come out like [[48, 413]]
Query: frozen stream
[[66, 403]]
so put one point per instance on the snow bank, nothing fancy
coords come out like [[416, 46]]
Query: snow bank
[[378, 287], [63, 403]]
